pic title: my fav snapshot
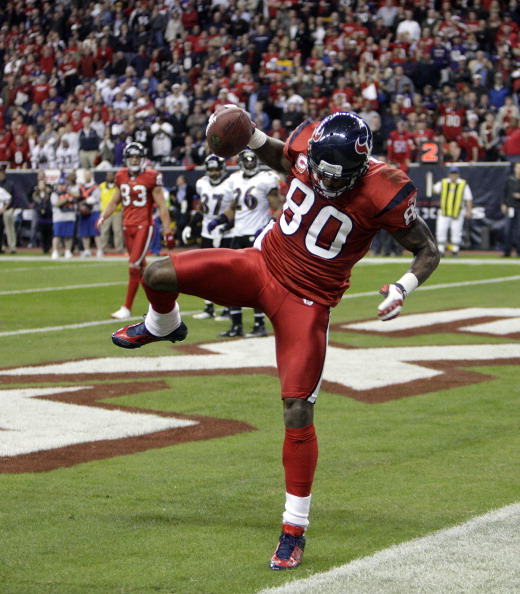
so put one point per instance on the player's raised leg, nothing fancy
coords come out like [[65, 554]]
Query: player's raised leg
[[163, 321]]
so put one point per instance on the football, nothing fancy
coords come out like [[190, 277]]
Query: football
[[228, 131]]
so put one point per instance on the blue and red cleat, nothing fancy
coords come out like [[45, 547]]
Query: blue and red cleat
[[289, 552], [136, 336]]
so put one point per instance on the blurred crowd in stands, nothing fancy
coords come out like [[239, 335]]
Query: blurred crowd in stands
[[81, 79]]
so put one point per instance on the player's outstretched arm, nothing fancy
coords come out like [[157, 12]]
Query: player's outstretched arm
[[269, 151], [417, 239], [110, 208]]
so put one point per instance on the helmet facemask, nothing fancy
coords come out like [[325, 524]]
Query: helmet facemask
[[215, 169], [331, 181], [248, 163]]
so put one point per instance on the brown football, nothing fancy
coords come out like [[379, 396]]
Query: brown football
[[229, 130]]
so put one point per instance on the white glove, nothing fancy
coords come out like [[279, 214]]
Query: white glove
[[186, 234], [393, 304]]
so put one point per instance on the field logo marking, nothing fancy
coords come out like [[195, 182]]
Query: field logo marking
[[42, 428]]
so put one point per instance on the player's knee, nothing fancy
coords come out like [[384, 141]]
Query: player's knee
[[297, 413], [160, 275]]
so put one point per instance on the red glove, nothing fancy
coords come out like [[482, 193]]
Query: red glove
[[169, 240]]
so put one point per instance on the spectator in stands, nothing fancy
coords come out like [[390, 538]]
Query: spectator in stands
[[489, 135], [506, 112], [197, 120], [388, 13], [106, 150], [498, 92], [162, 138], [510, 148], [88, 144], [400, 147], [470, 145], [409, 27], [398, 81], [179, 123], [67, 157], [42, 154], [18, 152]]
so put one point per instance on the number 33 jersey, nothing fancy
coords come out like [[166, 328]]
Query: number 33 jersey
[[315, 242], [137, 195]]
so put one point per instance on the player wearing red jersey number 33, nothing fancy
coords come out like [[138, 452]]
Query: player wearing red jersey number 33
[[139, 190], [338, 199]]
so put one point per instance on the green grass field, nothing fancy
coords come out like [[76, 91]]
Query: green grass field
[[203, 517]]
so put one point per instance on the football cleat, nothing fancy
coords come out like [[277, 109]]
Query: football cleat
[[258, 331], [122, 313], [209, 312], [233, 332], [224, 315], [136, 336], [289, 552]]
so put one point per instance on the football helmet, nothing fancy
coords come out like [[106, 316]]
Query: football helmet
[[215, 168], [248, 163], [134, 156], [339, 153]]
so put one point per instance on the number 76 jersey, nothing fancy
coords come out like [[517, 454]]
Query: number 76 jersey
[[137, 195], [315, 242]]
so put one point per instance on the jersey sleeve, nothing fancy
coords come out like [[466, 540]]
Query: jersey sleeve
[[298, 140], [392, 196]]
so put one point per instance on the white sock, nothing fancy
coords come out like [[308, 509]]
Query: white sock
[[162, 324], [297, 510]]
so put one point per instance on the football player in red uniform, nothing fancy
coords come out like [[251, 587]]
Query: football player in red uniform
[[139, 190], [300, 266]]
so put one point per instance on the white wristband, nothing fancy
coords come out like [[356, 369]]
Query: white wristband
[[408, 283], [258, 139]]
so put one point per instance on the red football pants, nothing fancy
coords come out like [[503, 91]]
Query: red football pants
[[240, 277]]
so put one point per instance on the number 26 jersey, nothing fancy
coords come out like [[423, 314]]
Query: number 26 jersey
[[136, 195]]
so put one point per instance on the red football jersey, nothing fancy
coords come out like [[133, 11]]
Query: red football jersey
[[453, 119], [315, 242], [136, 194]]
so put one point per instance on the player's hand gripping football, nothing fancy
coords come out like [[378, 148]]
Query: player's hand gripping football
[[392, 305]]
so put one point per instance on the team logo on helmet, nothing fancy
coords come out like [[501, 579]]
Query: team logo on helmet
[[364, 146], [318, 133]]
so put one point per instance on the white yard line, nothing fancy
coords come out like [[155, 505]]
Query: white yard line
[[76, 326], [486, 281], [62, 288], [481, 556], [187, 313]]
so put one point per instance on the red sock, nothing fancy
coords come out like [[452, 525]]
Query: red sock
[[161, 301], [133, 285], [300, 456]]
